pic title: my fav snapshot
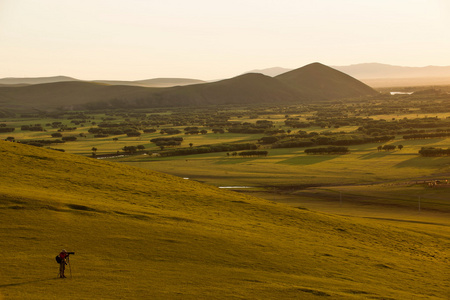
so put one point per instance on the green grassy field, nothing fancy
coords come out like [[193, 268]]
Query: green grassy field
[[293, 167], [139, 234], [386, 186]]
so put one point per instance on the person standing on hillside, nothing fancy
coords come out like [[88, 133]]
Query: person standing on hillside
[[62, 263]]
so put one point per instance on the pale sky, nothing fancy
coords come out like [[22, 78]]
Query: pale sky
[[215, 39]]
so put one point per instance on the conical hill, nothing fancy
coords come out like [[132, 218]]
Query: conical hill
[[319, 82]]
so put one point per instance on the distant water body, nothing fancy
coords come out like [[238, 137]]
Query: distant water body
[[228, 187], [401, 93], [234, 187]]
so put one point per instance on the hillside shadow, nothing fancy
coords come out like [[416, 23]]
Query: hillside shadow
[[430, 141], [28, 282], [375, 155], [422, 162], [307, 160], [235, 160]]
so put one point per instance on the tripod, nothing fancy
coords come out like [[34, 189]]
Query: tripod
[[70, 268]]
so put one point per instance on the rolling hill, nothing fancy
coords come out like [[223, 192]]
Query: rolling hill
[[314, 82], [248, 88], [244, 89], [142, 234], [65, 95]]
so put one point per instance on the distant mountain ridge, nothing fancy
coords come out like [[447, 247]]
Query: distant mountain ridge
[[363, 71], [35, 80], [155, 82], [312, 83], [384, 75], [377, 70], [374, 70]]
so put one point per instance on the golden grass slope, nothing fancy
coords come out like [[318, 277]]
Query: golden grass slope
[[139, 234]]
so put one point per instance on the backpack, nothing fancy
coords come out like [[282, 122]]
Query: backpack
[[58, 259]]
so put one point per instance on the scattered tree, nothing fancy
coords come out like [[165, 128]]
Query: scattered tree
[[389, 147]]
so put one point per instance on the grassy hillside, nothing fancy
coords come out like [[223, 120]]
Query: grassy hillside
[[319, 82], [142, 234]]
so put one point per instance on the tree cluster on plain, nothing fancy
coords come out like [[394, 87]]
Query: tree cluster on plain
[[328, 150], [432, 152]]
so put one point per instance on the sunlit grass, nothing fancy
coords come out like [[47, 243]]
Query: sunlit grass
[[292, 166], [140, 234]]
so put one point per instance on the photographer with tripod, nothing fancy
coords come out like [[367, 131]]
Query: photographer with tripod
[[63, 258]]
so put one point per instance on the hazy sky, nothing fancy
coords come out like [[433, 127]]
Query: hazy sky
[[213, 39]]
